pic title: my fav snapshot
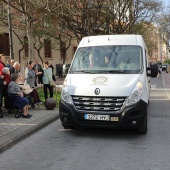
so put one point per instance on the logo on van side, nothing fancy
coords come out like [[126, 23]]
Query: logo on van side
[[101, 80]]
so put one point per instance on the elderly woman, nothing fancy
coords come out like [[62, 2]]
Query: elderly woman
[[30, 77], [16, 96]]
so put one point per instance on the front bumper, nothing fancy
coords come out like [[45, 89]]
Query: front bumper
[[130, 117]]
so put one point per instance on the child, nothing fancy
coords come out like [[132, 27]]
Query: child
[[16, 96]]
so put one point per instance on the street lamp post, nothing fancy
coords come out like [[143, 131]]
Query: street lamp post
[[10, 32]]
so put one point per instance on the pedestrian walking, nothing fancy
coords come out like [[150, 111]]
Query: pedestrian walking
[[59, 70]]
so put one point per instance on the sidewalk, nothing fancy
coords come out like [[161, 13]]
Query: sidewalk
[[13, 130], [166, 83]]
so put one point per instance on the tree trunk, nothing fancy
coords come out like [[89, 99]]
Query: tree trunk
[[30, 40]]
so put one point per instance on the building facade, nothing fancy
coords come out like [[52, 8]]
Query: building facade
[[47, 52]]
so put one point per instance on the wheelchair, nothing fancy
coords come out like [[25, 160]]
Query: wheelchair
[[14, 110], [1, 114], [31, 100], [10, 108]]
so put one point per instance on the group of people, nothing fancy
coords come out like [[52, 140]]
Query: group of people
[[11, 82]]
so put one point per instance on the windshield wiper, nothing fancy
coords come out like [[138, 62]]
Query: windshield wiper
[[83, 71], [112, 71]]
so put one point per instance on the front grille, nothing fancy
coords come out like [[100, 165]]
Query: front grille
[[93, 103]]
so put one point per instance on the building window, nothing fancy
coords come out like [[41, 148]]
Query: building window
[[47, 48], [26, 46], [4, 44]]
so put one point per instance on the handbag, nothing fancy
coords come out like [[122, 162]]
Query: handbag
[[51, 82]]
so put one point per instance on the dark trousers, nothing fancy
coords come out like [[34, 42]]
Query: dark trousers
[[60, 74], [37, 80], [35, 95], [46, 88]]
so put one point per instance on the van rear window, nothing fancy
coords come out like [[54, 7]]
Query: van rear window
[[112, 59]]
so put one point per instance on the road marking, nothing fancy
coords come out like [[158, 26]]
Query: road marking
[[153, 86], [16, 124], [61, 130]]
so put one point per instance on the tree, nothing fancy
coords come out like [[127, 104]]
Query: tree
[[78, 18], [165, 28], [4, 22], [39, 22], [29, 11], [87, 17]]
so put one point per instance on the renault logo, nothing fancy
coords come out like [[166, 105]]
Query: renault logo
[[97, 91]]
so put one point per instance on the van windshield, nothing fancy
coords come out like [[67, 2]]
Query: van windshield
[[108, 59]]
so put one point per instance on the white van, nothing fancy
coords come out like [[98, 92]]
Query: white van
[[107, 84]]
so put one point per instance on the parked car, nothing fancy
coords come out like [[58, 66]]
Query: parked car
[[164, 66]]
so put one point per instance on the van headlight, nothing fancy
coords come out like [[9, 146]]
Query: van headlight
[[136, 94], [66, 97]]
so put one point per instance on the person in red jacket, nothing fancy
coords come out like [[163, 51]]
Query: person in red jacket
[[2, 64], [7, 80]]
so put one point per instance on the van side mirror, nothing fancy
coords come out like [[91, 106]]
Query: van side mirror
[[152, 71]]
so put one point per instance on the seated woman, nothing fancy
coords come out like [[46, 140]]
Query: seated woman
[[27, 89], [16, 96]]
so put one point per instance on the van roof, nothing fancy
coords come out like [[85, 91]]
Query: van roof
[[120, 39]]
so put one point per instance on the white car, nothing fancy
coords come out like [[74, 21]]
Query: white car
[[164, 66]]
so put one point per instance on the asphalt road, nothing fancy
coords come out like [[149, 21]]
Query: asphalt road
[[55, 148]]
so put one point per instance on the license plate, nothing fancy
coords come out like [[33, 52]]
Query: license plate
[[97, 117], [114, 119]]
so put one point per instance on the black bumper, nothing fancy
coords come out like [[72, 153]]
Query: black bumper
[[130, 117]]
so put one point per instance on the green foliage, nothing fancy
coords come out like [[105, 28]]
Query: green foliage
[[167, 61], [55, 96]]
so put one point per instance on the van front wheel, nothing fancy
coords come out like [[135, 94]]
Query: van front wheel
[[68, 127], [143, 128]]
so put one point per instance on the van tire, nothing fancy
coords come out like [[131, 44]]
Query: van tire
[[1, 115], [143, 128], [68, 127]]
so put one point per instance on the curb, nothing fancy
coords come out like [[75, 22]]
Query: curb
[[20, 134], [166, 90]]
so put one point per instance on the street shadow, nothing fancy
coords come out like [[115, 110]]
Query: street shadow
[[98, 133]]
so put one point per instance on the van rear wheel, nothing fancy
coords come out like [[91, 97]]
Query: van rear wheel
[[143, 128]]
